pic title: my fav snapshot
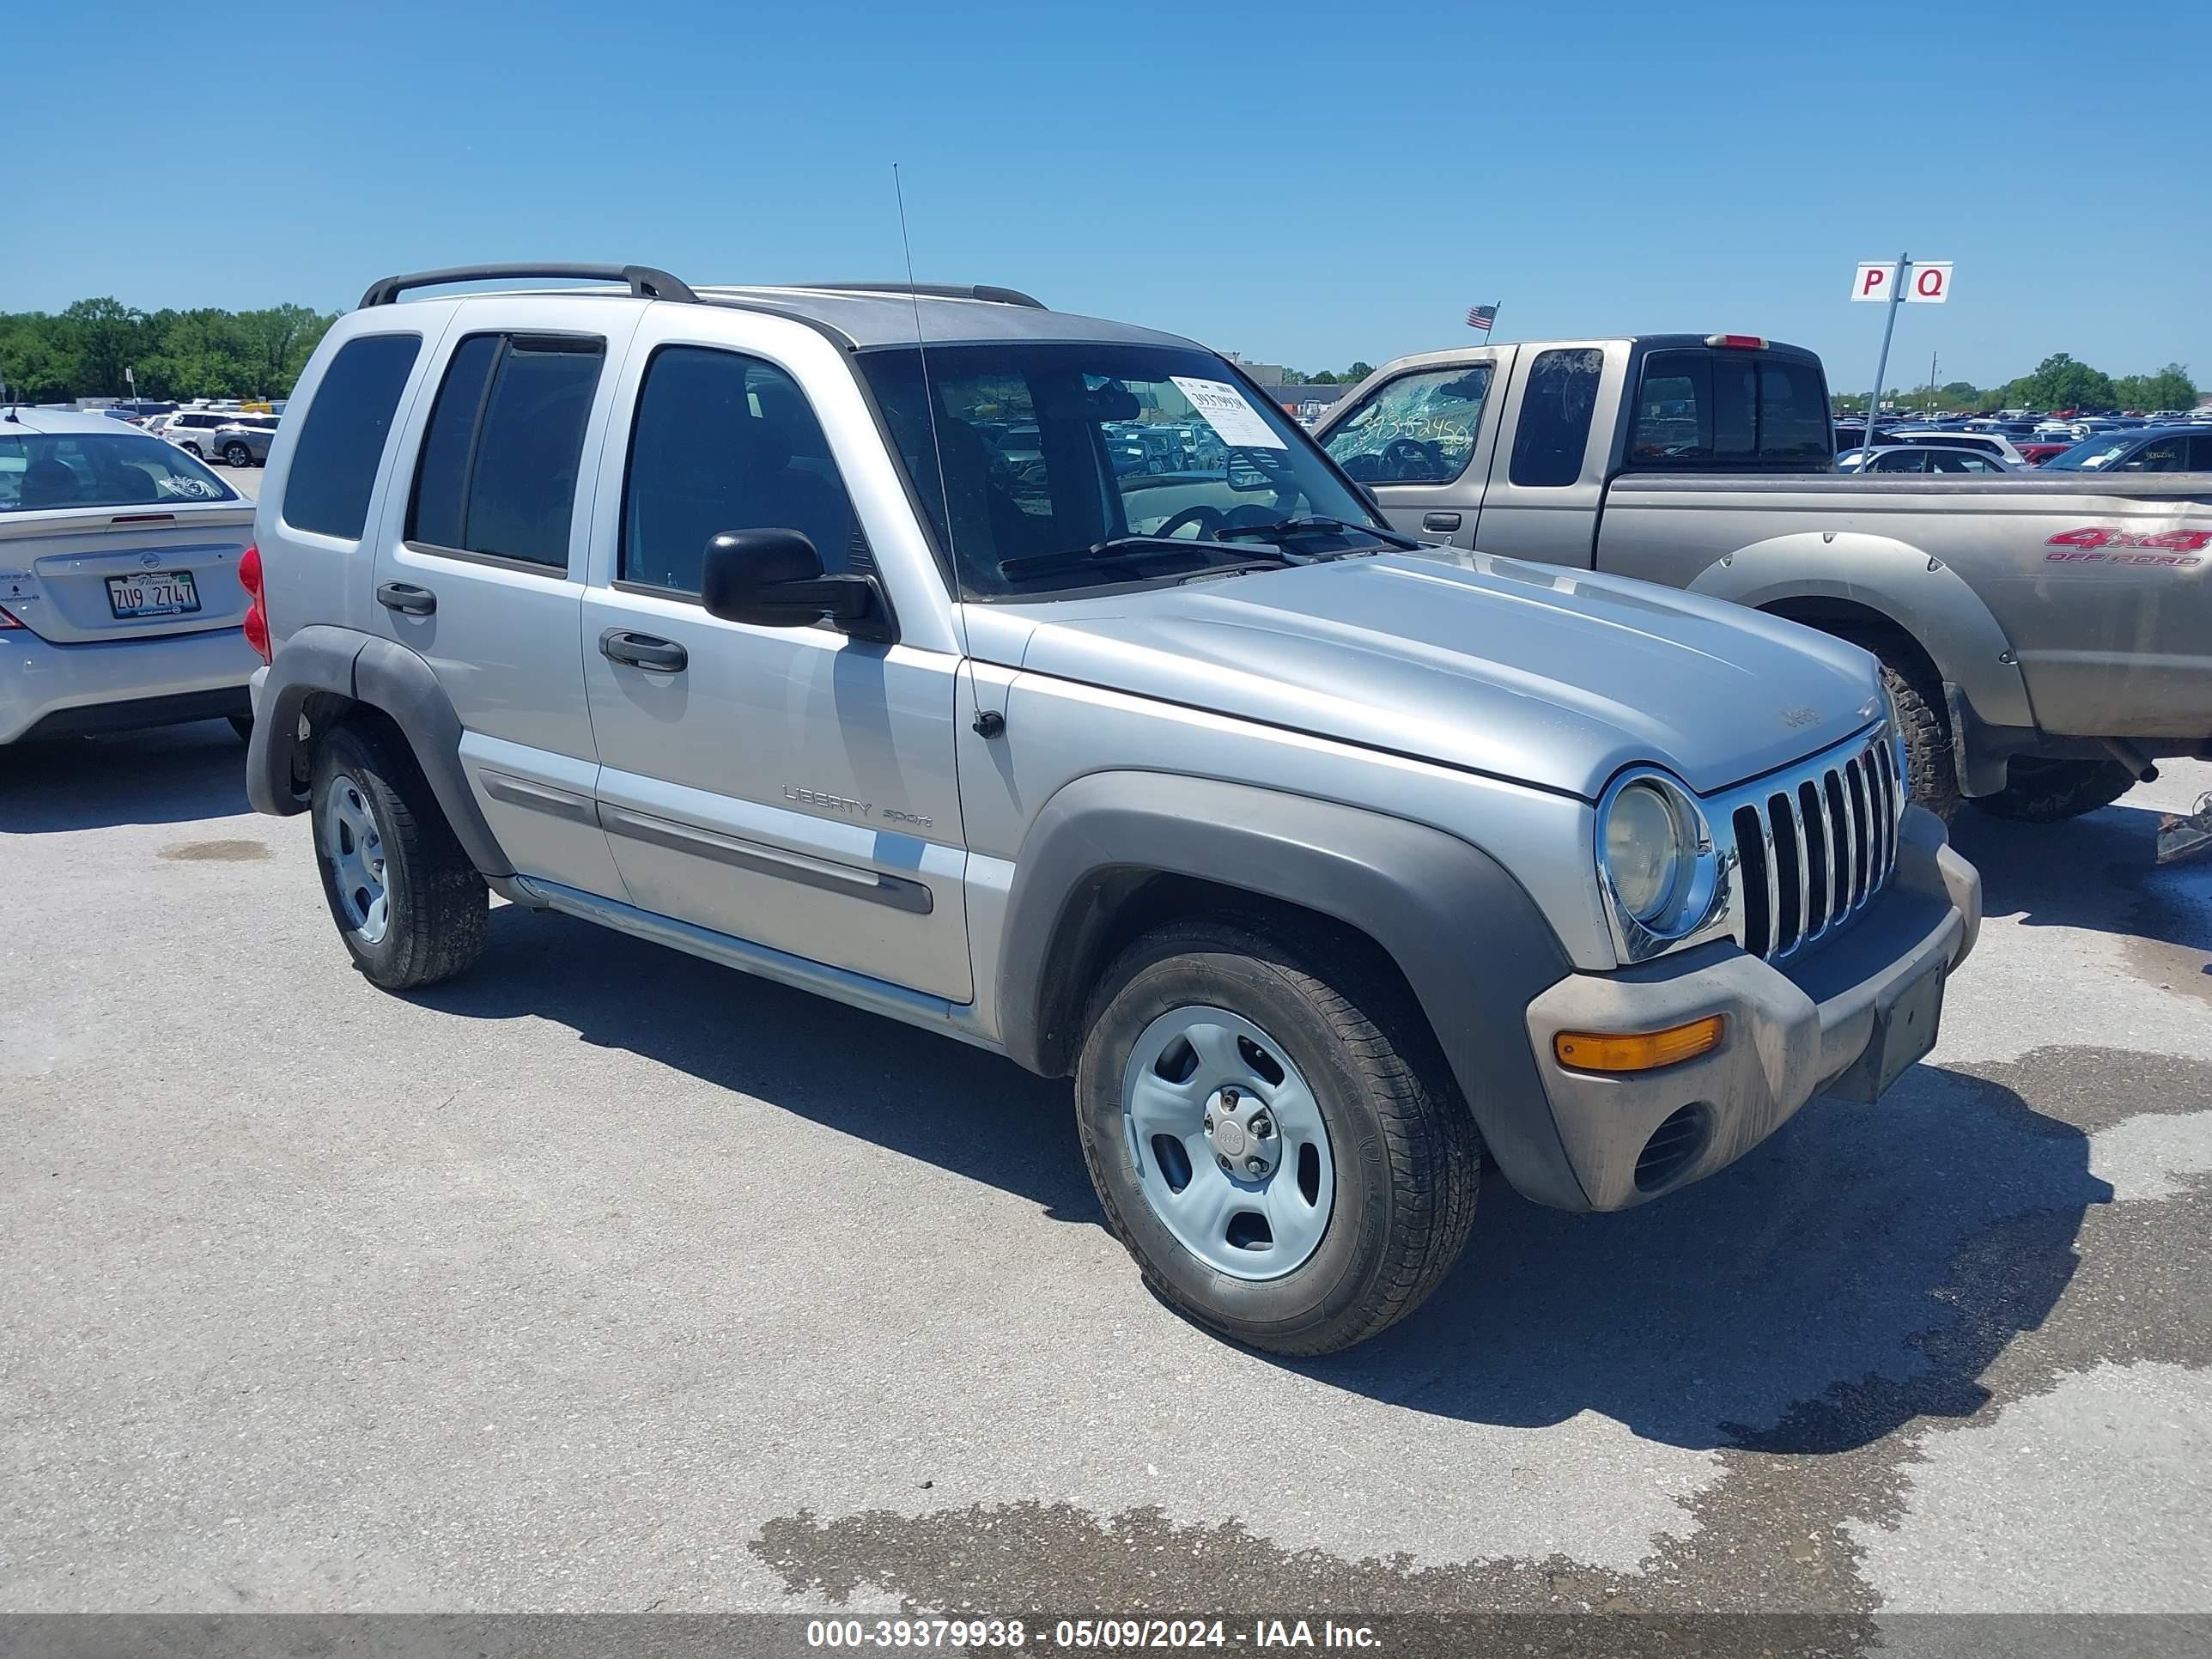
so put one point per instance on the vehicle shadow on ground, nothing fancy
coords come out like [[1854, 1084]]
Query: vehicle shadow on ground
[[2097, 871], [1864, 1267], [173, 775], [925, 1095], [1820, 1259]]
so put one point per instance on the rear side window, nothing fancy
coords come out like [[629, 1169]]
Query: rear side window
[[1419, 428], [497, 476], [1555, 418], [342, 437], [1730, 408], [725, 442]]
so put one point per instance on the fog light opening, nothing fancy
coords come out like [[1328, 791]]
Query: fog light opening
[[1673, 1147]]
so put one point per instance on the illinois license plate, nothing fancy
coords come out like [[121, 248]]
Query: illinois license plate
[[156, 593]]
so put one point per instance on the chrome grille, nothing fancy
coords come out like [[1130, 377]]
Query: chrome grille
[[1812, 848]]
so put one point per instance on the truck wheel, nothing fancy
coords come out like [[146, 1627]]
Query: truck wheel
[[2052, 791], [409, 904], [1926, 740], [1281, 1150]]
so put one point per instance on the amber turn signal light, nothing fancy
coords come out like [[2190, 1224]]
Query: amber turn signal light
[[1595, 1051]]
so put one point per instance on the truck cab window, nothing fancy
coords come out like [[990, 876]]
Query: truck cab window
[[1553, 433]]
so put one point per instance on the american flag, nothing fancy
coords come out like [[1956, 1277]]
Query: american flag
[[1481, 317]]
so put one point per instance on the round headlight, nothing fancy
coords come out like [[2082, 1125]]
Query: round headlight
[[1645, 852]]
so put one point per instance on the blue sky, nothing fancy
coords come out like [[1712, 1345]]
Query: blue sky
[[1305, 184]]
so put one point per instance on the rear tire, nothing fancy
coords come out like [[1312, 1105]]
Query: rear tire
[[1394, 1175], [409, 906], [2052, 791], [1934, 774]]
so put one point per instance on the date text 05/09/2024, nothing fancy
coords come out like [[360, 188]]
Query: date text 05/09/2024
[[1110, 1634]]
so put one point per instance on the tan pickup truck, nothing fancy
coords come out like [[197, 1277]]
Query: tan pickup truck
[[2048, 636]]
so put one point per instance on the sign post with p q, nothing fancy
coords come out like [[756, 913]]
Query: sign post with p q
[[1893, 285]]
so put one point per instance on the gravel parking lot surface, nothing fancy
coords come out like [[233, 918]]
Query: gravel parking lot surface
[[607, 1278]]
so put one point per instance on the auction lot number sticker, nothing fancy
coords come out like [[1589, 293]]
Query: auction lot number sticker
[[1110, 1635]]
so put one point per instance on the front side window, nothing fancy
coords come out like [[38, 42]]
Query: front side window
[[725, 442], [1419, 428], [497, 474], [43, 471], [1553, 433], [342, 435], [1053, 468]]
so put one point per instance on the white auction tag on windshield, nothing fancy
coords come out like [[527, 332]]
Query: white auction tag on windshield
[[1224, 409]]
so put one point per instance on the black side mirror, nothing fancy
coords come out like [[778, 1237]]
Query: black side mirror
[[774, 579]]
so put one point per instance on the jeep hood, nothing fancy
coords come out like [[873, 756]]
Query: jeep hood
[[1531, 672]]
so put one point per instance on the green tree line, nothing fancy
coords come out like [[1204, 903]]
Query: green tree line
[[2060, 381], [55, 356]]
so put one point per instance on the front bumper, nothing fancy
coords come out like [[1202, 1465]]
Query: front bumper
[[1791, 1032], [58, 691]]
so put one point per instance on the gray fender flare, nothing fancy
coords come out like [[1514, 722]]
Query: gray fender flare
[[1923, 596], [385, 675], [1473, 944]]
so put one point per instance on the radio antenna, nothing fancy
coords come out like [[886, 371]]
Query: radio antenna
[[928, 392]]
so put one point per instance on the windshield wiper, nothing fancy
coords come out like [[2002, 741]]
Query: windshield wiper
[[1116, 549], [1312, 523]]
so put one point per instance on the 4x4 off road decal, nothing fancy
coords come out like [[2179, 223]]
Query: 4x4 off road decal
[[2101, 545]]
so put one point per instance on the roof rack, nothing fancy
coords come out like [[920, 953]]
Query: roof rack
[[645, 282], [1001, 296]]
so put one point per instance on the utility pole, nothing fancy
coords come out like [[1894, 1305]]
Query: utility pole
[[1931, 383]]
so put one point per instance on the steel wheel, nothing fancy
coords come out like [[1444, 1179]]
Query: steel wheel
[[1229, 1145], [355, 847]]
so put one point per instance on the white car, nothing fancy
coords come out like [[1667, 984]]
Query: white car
[[120, 604], [1919, 458], [1988, 443]]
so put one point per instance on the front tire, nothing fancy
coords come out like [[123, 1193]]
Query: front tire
[[1927, 734], [1280, 1149], [237, 455], [2052, 791], [409, 906]]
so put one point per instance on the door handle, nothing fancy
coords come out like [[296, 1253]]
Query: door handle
[[407, 599], [643, 651], [1440, 521]]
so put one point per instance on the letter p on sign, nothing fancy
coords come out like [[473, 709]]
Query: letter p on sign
[[1873, 281]]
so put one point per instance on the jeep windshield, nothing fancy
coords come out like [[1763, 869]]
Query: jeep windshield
[[1075, 466]]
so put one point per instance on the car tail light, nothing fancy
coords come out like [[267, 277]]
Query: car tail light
[[1737, 342], [257, 613], [7, 621]]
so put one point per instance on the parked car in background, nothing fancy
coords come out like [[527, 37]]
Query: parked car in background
[[119, 600], [1919, 458], [1994, 444], [2035, 450], [2048, 634], [193, 430], [2155, 449], [243, 440]]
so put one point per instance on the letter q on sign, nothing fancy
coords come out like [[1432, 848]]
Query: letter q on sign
[[1931, 283]]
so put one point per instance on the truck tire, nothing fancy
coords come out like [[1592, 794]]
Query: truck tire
[[411, 909], [1935, 775], [2052, 791], [1278, 1144]]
